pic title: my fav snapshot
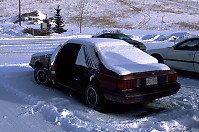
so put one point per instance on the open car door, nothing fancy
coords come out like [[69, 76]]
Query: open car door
[[62, 68]]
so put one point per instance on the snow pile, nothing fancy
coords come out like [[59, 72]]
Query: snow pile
[[34, 17], [11, 30], [179, 36]]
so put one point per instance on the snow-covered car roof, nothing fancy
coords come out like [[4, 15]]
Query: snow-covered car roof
[[120, 56]]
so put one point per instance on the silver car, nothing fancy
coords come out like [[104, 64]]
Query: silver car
[[182, 56]]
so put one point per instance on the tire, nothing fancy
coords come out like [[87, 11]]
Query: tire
[[41, 76], [159, 58], [94, 98]]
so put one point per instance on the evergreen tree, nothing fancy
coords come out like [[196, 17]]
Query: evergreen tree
[[59, 22]]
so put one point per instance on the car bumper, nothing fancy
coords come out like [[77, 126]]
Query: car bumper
[[144, 94]]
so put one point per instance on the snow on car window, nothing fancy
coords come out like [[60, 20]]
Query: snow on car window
[[125, 54], [91, 59], [86, 57], [125, 59]]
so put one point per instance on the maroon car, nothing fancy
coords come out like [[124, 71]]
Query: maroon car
[[105, 69]]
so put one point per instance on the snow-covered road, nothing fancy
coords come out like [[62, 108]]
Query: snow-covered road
[[27, 106]]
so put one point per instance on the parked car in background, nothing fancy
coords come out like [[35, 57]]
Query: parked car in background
[[182, 56], [105, 69], [124, 37]]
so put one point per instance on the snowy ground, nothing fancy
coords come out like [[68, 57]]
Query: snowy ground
[[27, 106], [128, 14]]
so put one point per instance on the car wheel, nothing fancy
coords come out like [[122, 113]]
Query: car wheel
[[94, 98], [41, 76], [159, 58]]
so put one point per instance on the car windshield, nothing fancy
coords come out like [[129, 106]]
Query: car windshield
[[121, 36]]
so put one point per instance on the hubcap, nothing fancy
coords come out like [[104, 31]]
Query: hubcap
[[92, 96], [41, 75]]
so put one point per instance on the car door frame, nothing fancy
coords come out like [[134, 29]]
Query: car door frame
[[54, 73], [196, 59]]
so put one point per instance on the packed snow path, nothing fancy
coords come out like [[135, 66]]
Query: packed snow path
[[27, 106]]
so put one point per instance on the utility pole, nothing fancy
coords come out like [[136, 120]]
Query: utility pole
[[19, 13], [162, 22], [82, 8]]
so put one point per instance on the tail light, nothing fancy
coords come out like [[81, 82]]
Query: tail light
[[142, 82], [172, 77], [126, 84]]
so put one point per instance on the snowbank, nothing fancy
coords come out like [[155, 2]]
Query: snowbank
[[179, 36]]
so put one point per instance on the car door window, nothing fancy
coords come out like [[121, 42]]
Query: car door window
[[101, 36], [121, 36], [108, 36], [187, 45]]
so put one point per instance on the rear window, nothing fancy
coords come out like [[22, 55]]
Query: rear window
[[125, 59]]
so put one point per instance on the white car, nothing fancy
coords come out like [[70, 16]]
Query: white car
[[182, 56]]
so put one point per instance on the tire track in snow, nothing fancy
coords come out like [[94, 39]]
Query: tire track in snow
[[146, 17], [145, 20]]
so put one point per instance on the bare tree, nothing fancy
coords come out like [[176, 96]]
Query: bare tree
[[82, 6]]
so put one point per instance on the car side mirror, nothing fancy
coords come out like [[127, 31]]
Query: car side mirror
[[174, 39]]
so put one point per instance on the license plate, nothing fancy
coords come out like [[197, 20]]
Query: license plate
[[151, 81]]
